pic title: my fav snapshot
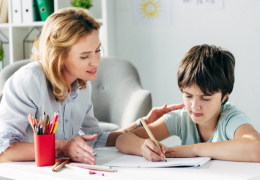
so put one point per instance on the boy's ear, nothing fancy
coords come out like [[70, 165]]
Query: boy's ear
[[225, 97]]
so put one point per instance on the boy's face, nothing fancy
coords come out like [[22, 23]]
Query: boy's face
[[203, 110]]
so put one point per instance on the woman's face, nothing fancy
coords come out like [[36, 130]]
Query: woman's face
[[83, 59], [203, 109]]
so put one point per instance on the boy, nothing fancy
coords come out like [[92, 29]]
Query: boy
[[207, 125]]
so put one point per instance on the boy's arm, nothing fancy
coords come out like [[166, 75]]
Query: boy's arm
[[132, 142], [244, 147]]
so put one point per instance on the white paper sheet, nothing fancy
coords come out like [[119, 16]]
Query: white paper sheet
[[140, 162]]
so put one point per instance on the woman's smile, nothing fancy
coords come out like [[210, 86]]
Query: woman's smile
[[92, 72]]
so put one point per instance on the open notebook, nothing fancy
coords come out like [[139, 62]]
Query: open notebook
[[140, 162]]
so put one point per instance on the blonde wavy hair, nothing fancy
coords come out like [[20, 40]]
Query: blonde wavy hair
[[60, 31]]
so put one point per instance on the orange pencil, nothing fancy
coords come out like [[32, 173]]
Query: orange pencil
[[30, 122], [54, 119]]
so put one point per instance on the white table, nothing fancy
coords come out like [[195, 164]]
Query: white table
[[213, 170]]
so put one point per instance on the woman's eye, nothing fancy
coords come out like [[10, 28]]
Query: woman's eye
[[84, 57], [98, 50], [188, 96]]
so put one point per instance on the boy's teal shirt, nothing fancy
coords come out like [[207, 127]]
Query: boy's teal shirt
[[180, 124]]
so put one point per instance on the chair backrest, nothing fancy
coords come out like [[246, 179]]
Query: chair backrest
[[117, 80], [8, 71]]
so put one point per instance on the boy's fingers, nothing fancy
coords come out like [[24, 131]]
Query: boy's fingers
[[170, 155], [151, 155], [151, 145], [163, 148]]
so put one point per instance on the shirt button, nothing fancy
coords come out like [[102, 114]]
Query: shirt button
[[66, 120], [101, 88]]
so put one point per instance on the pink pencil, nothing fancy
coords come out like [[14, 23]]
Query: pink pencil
[[96, 172]]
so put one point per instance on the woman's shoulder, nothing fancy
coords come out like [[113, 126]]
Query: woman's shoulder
[[31, 73], [32, 68]]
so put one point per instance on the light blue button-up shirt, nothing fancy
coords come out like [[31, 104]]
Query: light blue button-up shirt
[[28, 91]]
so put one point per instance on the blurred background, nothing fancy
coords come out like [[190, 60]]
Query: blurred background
[[156, 43]]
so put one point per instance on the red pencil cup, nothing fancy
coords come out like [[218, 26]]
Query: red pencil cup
[[44, 146]]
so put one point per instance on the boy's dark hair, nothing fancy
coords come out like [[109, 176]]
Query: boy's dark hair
[[210, 67]]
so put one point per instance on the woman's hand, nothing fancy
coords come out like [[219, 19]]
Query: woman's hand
[[181, 151], [151, 152], [158, 112], [78, 150]]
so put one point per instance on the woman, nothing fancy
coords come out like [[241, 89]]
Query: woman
[[59, 80]]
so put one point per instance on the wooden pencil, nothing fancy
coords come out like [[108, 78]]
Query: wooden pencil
[[61, 166], [56, 164], [151, 136]]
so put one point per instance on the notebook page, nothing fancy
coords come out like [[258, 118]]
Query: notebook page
[[140, 162]]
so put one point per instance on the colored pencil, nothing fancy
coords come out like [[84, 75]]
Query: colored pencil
[[54, 130], [30, 122], [45, 121], [44, 125], [96, 167], [96, 172], [78, 169]]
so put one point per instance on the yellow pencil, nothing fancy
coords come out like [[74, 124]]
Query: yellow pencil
[[55, 127], [151, 136]]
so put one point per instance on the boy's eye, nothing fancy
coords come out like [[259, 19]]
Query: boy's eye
[[188, 96], [205, 99], [84, 57]]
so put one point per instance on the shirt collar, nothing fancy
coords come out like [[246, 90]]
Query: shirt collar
[[74, 89]]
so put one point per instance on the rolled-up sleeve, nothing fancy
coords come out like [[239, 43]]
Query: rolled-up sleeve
[[90, 126], [21, 95]]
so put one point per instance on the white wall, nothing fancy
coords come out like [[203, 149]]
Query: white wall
[[157, 51]]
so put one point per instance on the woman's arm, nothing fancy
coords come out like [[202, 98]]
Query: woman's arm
[[154, 114], [77, 149], [18, 151], [244, 147]]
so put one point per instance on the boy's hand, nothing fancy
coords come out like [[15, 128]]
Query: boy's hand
[[151, 152], [158, 112], [183, 151]]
